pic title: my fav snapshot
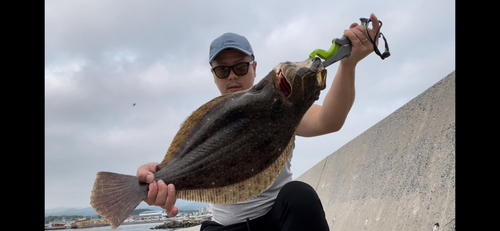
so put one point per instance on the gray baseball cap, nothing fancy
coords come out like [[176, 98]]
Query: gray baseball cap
[[229, 40]]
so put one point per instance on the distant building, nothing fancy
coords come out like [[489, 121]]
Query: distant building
[[153, 214]]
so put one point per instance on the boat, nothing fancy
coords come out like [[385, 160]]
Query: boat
[[56, 226], [89, 224]]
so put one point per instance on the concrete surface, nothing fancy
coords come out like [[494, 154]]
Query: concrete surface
[[397, 175]]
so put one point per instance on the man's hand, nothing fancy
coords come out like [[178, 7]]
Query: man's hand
[[159, 193], [361, 45]]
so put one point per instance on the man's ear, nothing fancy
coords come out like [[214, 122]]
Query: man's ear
[[254, 68], [213, 74]]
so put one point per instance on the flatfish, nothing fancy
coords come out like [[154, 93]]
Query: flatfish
[[230, 149]]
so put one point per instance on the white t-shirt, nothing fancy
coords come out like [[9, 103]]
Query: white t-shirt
[[255, 207]]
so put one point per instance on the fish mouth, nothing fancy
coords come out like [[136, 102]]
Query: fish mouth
[[283, 84], [285, 87], [316, 64]]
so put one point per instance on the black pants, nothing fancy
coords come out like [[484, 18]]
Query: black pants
[[297, 207]]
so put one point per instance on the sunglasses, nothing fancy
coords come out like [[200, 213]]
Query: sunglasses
[[239, 69]]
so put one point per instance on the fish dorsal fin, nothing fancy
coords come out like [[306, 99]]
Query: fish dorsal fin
[[186, 128], [240, 191]]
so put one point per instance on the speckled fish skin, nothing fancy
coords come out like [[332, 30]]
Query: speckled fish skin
[[226, 143], [243, 133]]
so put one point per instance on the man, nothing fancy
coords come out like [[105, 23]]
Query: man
[[286, 204]]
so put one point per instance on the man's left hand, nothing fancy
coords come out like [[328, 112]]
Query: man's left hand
[[361, 45]]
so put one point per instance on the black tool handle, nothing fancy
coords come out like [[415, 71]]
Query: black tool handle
[[364, 20], [342, 40]]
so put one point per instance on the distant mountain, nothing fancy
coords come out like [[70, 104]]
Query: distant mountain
[[56, 210], [89, 211]]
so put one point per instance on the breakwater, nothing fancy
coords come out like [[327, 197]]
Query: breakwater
[[397, 175], [183, 222]]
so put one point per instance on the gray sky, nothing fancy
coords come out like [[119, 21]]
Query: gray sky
[[101, 57]]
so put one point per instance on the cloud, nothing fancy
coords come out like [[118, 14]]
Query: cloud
[[102, 57]]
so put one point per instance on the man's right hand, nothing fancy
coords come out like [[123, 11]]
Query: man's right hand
[[159, 193]]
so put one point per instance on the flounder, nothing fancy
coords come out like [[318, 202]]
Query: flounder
[[230, 149]]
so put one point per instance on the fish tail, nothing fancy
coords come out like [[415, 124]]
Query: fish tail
[[115, 196]]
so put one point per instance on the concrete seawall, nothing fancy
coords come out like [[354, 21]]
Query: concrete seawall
[[397, 175]]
